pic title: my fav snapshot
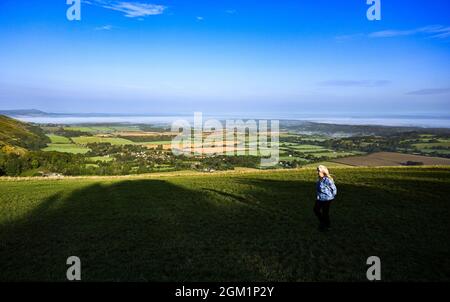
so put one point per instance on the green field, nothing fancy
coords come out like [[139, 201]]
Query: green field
[[156, 143], [58, 139], [328, 164], [84, 140], [284, 157], [301, 147], [255, 226], [316, 151], [101, 158], [432, 145], [67, 148], [102, 129], [335, 154]]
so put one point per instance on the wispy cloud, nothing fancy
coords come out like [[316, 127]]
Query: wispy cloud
[[231, 11], [354, 83], [430, 91], [349, 37], [130, 9], [199, 18], [432, 31], [104, 27]]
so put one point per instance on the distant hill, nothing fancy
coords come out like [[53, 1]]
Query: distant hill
[[15, 136], [23, 112], [341, 130]]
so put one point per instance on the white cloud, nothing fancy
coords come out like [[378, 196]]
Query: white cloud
[[200, 18], [430, 91], [354, 83], [130, 9], [432, 31], [348, 37], [104, 27]]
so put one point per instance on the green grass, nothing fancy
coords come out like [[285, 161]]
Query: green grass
[[16, 136], [301, 147], [284, 157], [84, 140], [102, 129], [227, 227], [328, 164], [438, 151], [101, 158], [67, 148], [58, 139], [431, 145], [335, 154], [86, 129], [156, 143]]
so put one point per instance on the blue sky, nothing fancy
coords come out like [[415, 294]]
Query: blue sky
[[226, 56]]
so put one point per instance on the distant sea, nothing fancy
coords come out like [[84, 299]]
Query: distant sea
[[413, 121]]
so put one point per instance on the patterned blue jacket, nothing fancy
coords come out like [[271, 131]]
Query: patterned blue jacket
[[326, 189]]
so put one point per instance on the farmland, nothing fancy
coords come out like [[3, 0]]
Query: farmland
[[66, 148], [121, 149], [249, 226], [391, 159], [64, 144], [87, 139], [84, 140]]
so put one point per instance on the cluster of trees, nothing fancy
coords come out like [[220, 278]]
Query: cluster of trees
[[369, 144], [366, 144], [223, 162], [36, 141], [36, 163], [143, 139], [291, 164], [103, 149], [400, 142], [71, 133], [129, 159], [152, 128], [12, 164]]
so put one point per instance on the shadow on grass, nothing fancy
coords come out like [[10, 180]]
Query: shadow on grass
[[245, 230]]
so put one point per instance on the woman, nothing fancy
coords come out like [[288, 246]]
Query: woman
[[326, 192]]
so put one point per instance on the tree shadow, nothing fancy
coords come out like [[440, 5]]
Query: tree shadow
[[247, 230]]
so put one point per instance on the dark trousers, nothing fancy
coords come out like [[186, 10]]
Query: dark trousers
[[322, 211]]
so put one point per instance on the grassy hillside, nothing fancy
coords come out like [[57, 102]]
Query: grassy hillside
[[16, 136], [253, 226]]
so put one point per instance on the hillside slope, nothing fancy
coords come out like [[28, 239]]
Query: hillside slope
[[242, 227], [16, 136]]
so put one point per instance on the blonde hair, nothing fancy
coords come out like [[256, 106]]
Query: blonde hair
[[324, 170]]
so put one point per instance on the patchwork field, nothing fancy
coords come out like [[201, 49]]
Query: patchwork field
[[391, 159], [58, 139], [64, 144], [308, 153], [256, 226], [84, 140], [95, 129], [67, 148]]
